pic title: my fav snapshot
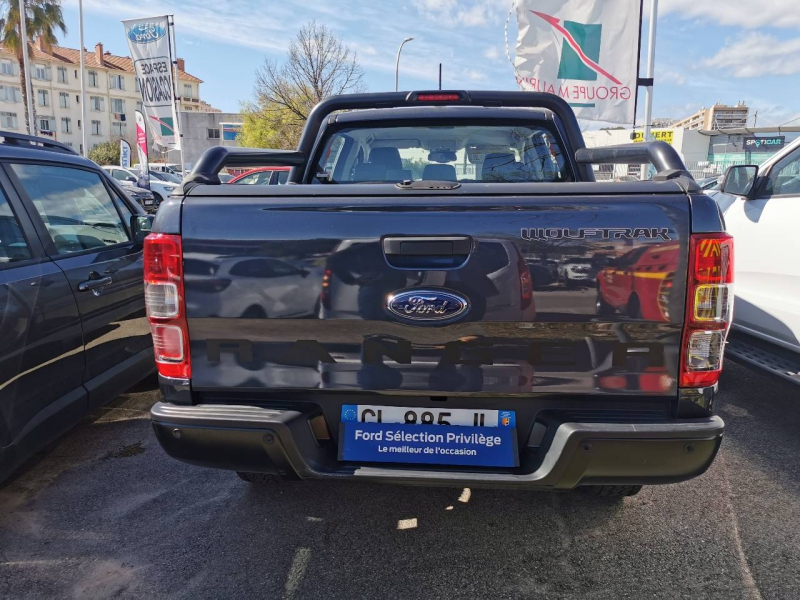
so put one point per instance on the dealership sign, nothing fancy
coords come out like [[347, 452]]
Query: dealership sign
[[149, 44], [764, 144], [585, 51], [661, 135]]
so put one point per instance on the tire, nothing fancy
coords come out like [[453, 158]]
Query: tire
[[603, 307], [634, 310], [611, 491], [254, 312], [158, 199], [259, 478]]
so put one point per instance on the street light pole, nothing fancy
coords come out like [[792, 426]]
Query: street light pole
[[397, 65], [651, 63]]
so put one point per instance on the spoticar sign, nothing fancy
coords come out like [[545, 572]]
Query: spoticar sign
[[149, 45], [764, 144]]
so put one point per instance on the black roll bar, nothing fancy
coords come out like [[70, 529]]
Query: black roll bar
[[215, 159], [661, 155], [556, 105]]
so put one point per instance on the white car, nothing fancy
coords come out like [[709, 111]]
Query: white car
[[763, 221], [128, 177], [575, 272]]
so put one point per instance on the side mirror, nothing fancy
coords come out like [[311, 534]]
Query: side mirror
[[141, 226], [131, 178], [739, 180]]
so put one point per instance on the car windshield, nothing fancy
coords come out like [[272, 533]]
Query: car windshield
[[495, 152]]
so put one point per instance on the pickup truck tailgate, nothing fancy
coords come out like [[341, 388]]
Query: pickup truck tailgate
[[436, 295]]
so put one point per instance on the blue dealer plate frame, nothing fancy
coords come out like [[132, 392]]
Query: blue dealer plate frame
[[428, 444]]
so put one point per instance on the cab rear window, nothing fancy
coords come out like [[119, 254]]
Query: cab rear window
[[491, 152]]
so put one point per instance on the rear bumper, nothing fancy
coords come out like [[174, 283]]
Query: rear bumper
[[247, 438]]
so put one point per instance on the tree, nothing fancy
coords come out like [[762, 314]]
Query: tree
[[42, 18], [318, 65], [105, 153]]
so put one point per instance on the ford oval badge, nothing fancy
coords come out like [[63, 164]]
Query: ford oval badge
[[144, 33], [426, 305]]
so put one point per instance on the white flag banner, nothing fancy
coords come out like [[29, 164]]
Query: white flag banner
[[149, 43], [141, 147], [585, 51], [124, 154]]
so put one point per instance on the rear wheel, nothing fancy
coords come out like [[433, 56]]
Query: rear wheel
[[634, 307], [259, 478], [603, 307], [254, 312], [611, 491]]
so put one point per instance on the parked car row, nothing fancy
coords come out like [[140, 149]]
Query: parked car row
[[73, 330], [162, 184]]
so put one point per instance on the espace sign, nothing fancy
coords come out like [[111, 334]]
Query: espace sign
[[764, 144]]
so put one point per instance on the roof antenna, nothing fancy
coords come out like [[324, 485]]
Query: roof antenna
[[440, 76]]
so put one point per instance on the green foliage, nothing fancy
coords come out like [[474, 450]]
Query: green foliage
[[269, 126], [42, 18], [318, 65], [106, 153]]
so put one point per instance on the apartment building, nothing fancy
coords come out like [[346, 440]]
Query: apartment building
[[112, 94], [717, 117]]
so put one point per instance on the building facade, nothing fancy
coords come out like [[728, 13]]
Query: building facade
[[717, 117], [204, 130], [112, 95]]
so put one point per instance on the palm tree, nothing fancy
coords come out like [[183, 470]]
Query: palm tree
[[42, 18]]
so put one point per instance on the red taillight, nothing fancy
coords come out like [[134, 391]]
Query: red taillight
[[709, 308], [525, 285], [165, 302], [325, 293]]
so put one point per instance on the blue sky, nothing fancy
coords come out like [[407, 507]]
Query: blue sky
[[707, 50]]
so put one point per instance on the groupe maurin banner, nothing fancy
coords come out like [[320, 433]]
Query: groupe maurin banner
[[149, 44], [585, 51]]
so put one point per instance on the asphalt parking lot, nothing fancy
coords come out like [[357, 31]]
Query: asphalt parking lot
[[104, 513]]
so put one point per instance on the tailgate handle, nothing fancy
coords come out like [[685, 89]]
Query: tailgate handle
[[427, 246]]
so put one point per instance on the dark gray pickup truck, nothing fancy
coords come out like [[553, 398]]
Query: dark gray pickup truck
[[395, 313]]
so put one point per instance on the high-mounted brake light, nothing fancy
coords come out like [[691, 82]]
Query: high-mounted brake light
[[165, 303], [709, 308], [438, 97]]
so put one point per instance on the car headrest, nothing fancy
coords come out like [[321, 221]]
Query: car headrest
[[435, 172], [369, 172], [389, 158], [497, 163]]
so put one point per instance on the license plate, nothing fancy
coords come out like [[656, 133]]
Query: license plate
[[148, 202], [464, 417], [428, 436]]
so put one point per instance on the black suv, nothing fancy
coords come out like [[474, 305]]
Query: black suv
[[73, 330]]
